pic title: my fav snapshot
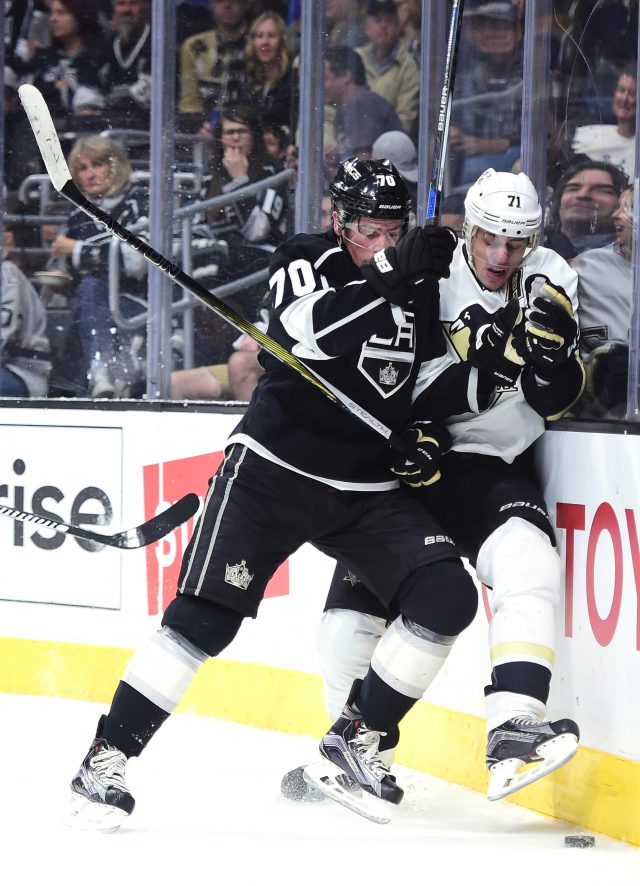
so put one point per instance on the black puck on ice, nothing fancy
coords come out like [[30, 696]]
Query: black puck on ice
[[580, 841]]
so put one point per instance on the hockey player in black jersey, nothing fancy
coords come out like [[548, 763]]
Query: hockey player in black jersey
[[509, 309], [360, 303]]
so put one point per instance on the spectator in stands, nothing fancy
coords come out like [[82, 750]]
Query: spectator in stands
[[410, 20], [21, 154], [192, 17], [270, 82], [344, 23], [602, 39], [390, 71], [125, 65], [24, 347], [452, 212], [582, 207], [360, 114], [101, 170], [72, 59], [247, 231], [614, 143], [276, 138], [605, 290], [485, 131], [396, 146], [212, 65]]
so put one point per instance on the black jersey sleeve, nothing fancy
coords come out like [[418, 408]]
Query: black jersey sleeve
[[321, 301], [552, 399]]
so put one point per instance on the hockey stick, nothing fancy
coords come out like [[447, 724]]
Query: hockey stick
[[444, 113], [58, 171], [146, 534]]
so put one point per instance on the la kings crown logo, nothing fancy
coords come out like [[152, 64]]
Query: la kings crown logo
[[389, 375], [238, 575]]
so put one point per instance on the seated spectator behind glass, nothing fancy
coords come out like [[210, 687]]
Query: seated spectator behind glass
[[24, 347], [613, 143], [360, 114], [410, 21], [396, 146], [21, 154], [389, 69], [344, 23], [247, 231], [270, 83], [485, 132], [452, 212], [212, 65], [596, 42], [101, 170], [125, 65], [605, 287], [72, 59], [582, 207]]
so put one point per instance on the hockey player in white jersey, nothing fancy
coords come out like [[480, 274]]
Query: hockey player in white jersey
[[509, 309]]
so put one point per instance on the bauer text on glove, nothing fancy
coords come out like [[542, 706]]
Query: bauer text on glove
[[429, 442], [421, 256], [492, 349]]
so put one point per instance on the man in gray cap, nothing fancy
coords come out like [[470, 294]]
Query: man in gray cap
[[485, 130]]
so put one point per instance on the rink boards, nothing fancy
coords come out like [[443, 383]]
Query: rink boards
[[71, 614]]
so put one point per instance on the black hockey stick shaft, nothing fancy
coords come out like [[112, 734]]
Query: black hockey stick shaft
[[145, 534], [444, 113], [58, 171]]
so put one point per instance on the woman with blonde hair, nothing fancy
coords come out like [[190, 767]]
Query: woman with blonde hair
[[270, 81], [101, 169]]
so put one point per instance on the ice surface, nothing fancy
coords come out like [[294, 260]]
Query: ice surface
[[209, 811]]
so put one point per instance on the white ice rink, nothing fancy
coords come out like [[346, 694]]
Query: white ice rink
[[209, 811]]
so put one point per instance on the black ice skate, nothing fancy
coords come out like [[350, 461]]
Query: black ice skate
[[521, 741], [99, 796], [351, 748]]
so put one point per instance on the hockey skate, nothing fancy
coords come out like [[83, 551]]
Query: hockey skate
[[351, 749], [99, 797], [294, 787], [541, 747]]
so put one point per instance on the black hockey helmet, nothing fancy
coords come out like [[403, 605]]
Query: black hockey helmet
[[371, 188]]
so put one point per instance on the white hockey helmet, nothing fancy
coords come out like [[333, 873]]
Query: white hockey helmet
[[505, 204]]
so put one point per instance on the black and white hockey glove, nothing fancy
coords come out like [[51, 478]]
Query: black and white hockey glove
[[493, 349], [550, 334], [430, 441], [421, 255]]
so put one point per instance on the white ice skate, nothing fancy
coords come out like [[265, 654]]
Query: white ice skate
[[523, 750], [100, 800]]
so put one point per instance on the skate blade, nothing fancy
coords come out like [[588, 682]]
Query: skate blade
[[85, 815], [509, 776], [322, 775]]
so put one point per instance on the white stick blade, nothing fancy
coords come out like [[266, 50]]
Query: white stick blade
[[45, 133]]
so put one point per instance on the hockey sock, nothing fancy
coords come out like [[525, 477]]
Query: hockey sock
[[405, 661], [132, 721]]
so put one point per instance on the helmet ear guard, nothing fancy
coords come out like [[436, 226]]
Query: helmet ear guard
[[504, 204], [370, 189]]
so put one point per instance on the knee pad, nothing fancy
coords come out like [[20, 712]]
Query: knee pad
[[440, 597], [209, 626], [523, 570], [518, 560], [346, 641]]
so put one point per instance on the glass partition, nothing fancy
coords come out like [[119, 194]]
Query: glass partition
[[222, 129]]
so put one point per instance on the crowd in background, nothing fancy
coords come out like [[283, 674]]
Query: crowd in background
[[237, 90]]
